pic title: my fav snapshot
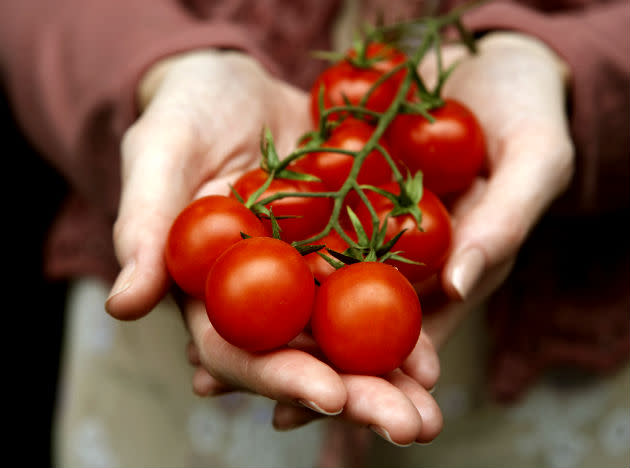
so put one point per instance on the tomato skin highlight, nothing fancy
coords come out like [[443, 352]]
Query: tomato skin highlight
[[310, 213], [450, 152], [429, 246], [367, 318], [259, 294], [200, 233]]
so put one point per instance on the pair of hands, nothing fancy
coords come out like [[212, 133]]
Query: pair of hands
[[202, 116]]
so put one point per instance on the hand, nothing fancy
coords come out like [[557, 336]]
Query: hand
[[516, 87], [203, 114], [398, 407]]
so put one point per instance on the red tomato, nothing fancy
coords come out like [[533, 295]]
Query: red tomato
[[429, 246], [333, 168], [311, 213], [346, 79], [450, 152], [321, 268], [259, 294], [200, 233], [367, 318]]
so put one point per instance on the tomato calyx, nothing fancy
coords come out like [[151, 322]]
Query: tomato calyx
[[406, 202]]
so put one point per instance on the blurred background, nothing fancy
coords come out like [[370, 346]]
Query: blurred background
[[34, 306]]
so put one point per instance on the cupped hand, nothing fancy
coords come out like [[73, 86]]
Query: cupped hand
[[516, 86], [202, 117], [399, 406]]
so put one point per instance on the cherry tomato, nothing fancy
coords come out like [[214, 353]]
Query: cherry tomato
[[333, 168], [367, 318], [200, 233], [450, 152], [310, 214], [321, 268], [429, 246], [259, 294], [352, 81]]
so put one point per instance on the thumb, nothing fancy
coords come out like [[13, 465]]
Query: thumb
[[495, 217], [154, 190]]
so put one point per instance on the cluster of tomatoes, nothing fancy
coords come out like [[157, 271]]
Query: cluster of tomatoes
[[353, 290]]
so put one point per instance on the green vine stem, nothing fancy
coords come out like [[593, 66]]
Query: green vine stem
[[373, 248]]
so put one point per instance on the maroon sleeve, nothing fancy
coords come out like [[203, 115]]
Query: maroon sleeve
[[592, 38], [71, 67]]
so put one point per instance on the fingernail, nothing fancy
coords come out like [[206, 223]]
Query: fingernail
[[385, 435], [124, 279], [469, 265], [313, 406]]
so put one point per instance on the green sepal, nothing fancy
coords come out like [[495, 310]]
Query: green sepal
[[362, 238], [415, 108], [293, 175], [307, 249], [331, 261], [270, 160], [343, 258], [267, 212], [387, 247], [236, 194], [399, 258], [411, 191]]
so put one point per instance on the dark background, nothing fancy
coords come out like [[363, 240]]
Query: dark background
[[33, 305]]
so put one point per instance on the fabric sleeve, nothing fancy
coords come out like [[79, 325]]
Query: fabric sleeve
[[71, 68], [593, 41]]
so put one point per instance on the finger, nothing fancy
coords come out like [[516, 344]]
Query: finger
[[288, 416], [193, 354], [432, 420], [376, 403], [441, 324], [205, 385], [529, 175], [423, 364], [154, 190], [516, 89], [287, 375]]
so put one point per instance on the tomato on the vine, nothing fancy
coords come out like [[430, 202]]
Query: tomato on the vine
[[307, 215], [429, 245], [450, 152], [333, 168], [349, 80], [366, 318], [259, 294], [200, 233]]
